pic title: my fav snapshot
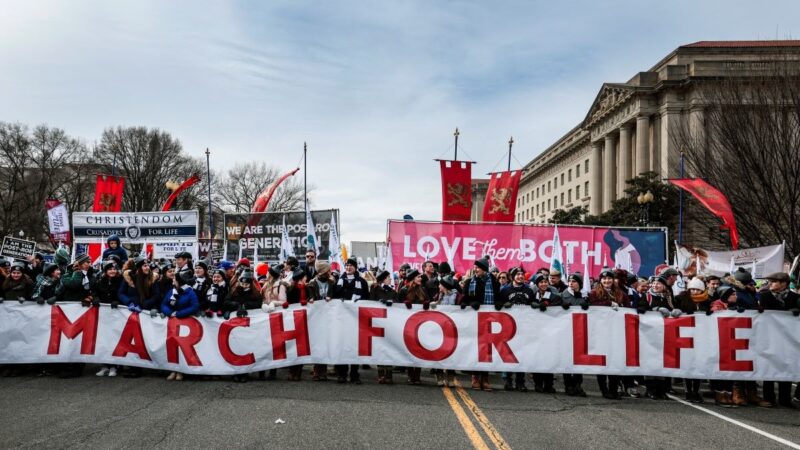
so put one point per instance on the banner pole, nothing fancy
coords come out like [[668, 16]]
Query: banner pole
[[680, 207], [455, 156], [208, 181]]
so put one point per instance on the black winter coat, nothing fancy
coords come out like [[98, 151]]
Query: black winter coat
[[382, 292], [106, 290], [348, 289], [516, 295], [479, 295]]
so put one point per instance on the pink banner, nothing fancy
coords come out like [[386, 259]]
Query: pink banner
[[638, 250]]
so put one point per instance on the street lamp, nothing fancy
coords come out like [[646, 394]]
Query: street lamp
[[645, 199]]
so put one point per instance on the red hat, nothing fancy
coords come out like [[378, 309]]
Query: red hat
[[261, 269], [244, 262]]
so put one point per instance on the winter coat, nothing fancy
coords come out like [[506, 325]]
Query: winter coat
[[550, 297], [516, 295], [559, 287], [74, 290], [128, 294], [215, 295], [351, 289], [479, 294], [15, 290], [298, 293], [572, 298], [744, 297], [600, 297], [684, 302], [416, 295], [46, 287], [781, 301], [200, 288], [431, 286], [651, 300], [241, 299], [382, 292], [119, 251], [316, 291], [185, 304], [106, 290]]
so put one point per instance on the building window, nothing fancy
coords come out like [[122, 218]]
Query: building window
[[548, 204], [586, 188], [569, 196], [569, 175], [586, 166], [577, 171], [562, 179], [578, 192], [537, 210], [548, 186], [555, 182], [562, 199]]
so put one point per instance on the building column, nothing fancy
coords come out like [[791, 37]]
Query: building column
[[595, 202], [642, 141], [624, 159], [668, 151], [609, 172]]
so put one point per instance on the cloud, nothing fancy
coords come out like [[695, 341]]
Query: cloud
[[376, 92]]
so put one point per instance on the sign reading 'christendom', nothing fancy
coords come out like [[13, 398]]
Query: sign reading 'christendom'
[[135, 227]]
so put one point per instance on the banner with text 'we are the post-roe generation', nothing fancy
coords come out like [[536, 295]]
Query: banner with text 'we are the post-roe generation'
[[639, 250], [726, 345]]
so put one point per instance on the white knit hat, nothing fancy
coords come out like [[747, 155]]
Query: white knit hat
[[696, 283]]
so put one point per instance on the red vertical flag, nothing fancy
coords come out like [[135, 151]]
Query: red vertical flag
[[108, 193], [714, 200], [501, 197], [456, 190]]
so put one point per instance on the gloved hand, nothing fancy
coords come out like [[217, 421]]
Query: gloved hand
[[498, 306], [388, 303], [241, 312], [114, 304], [285, 304], [543, 306], [689, 312], [210, 314], [796, 312], [133, 308], [476, 305], [760, 308], [355, 299], [2, 299], [615, 306], [463, 305], [585, 305], [303, 302], [709, 312], [676, 312], [426, 305], [740, 309], [642, 308], [434, 305], [153, 313], [407, 303], [21, 300], [40, 300], [226, 315], [507, 305], [534, 304], [664, 311], [95, 303], [51, 301], [565, 306]]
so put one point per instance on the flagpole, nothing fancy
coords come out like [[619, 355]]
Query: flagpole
[[455, 157], [305, 175], [208, 181], [510, 143], [680, 208]]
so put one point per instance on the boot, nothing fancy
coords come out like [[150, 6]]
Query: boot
[[389, 379], [723, 399], [738, 396], [754, 399], [485, 383], [440, 381], [509, 386], [449, 378], [476, 383]]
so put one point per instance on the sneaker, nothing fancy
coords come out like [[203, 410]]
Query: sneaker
[[102, 372], [112, 372]]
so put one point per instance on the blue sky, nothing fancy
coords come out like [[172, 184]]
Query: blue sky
[[376, 88]]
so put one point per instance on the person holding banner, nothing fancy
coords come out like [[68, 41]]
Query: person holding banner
[[105, 288], [482, 288], [413, 293], [572, 296], [517, 292], [243, 297], [321, 287], [180, 302], [777, 296], [77, 284], [608, 294], [18, 286], [383, 292], [47, 285], [202, 282], [694, 299], [216, 294], [299, 293], [545, 295], [350, 287], [139, 287]]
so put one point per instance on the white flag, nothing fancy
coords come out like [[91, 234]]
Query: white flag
[[390, 261], [286, 244], [255, 251], [587, 283], [311, 232], [333, 244], [557, 262]]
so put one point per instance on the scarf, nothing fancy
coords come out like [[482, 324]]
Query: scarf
[[302, 293], [173, 299], [488, 291], [198, 283], [86, 282], [323, 288], [699, 298], [213, 292]]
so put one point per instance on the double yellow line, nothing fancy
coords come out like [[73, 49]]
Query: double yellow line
[[472, 432]]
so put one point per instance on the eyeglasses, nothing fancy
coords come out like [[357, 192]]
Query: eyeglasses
[[310, 256]]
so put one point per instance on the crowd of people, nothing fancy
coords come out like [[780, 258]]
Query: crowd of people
[[182, 288]]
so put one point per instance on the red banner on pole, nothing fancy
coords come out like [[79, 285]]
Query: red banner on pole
[[456, 190], [714, 200], [183, 186], [108, 193], [501, 197]]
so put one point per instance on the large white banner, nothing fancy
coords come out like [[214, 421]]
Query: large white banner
[[135, 227], [759, 261], [726, 345]]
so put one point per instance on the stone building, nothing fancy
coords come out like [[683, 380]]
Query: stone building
[[631, 127]]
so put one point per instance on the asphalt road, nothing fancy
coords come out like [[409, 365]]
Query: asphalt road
[[92, 412]]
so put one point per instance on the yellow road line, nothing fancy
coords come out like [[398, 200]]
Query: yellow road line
[[466, 424], [490, 431]]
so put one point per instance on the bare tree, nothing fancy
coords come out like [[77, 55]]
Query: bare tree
[[239, 187], [748, 146]]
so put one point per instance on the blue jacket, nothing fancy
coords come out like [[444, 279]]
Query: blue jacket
[[119, 251], [186, 304]]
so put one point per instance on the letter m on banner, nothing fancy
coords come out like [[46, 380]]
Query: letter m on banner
[[501, 197], [456, 190]]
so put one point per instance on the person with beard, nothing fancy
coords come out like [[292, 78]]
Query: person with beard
[[383, 292], [430, 280], [480, 289], [657, 299], [414, 293], [216, 294], [180, 301], [18, 286], [608, 294], [778, 297], [299, 293], [544, 296], [572, 296], [517, 292], [401, 276], [350, 287], [694, 299], [202, 282]]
